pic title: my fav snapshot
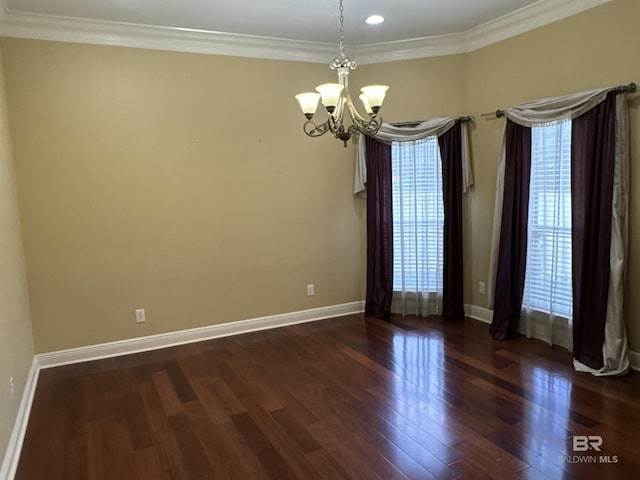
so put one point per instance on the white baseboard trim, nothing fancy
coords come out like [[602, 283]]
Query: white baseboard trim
[[14, 448], [478, 313], [163, 340]]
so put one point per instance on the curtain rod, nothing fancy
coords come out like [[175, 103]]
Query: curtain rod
[[630, 88], [414, 123]]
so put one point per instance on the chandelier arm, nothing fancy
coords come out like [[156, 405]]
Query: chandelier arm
[[369, 128], [313, 130], [361, 120], [334, 121], [353, 113], [368, 125]]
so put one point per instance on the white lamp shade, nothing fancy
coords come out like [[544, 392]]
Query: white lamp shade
[[365, 102], [330, 93], [375, 94], [308, 102]]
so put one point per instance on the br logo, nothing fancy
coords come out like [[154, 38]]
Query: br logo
[[583, 443]]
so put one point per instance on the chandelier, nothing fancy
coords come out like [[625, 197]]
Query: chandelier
[[336, 99]]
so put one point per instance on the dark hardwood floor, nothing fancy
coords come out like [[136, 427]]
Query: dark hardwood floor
[[343, 398]]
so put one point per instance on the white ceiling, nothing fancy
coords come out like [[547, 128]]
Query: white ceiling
[[298, 29], [315, 21]]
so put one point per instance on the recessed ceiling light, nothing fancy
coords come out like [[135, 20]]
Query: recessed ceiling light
[[374, 20]]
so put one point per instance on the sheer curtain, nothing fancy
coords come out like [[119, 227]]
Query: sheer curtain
[[418, 227], [547, 298]]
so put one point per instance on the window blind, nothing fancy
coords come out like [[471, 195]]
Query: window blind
[[418, 216], [548, 282]]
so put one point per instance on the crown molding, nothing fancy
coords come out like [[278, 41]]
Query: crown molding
[[409, 49], [97, 32], [74, 30], [518, 22], [526, 19]]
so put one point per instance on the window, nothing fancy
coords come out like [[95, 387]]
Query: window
[[548, 285], [418, 216]]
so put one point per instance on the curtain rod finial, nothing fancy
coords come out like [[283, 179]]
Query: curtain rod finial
[[630, 88]]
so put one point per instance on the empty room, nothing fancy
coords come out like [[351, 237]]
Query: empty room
[[354, 239]]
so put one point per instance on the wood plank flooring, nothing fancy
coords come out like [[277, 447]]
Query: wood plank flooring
[[345, 398]]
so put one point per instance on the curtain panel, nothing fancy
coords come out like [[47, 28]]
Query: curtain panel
[[593, 151], [450, 143], [600, 157], [371, 178], [513, 232], [379, 230]]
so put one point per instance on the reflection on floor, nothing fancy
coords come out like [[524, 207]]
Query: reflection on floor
[[349, 397]]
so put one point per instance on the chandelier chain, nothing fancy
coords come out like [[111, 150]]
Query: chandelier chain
[[342, 61], [341, 30]]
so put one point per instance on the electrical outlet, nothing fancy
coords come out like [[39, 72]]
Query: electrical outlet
[[311, 290], [140, 317], [12, 388], [482, 288]]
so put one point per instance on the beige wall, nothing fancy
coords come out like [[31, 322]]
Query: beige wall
[[143, 184], [16, 343], [182, 184], [597, 48]]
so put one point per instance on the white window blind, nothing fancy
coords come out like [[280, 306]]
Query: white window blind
[[548, 286], [418, 216]]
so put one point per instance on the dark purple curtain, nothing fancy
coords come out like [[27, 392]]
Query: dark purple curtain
[[512, 255], [592, 170], [379, 230], [451, 153]]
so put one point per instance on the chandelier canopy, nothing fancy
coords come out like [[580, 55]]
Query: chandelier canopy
[[336, 99]]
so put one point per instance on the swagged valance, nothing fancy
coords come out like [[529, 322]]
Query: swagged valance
[[430, 128]]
